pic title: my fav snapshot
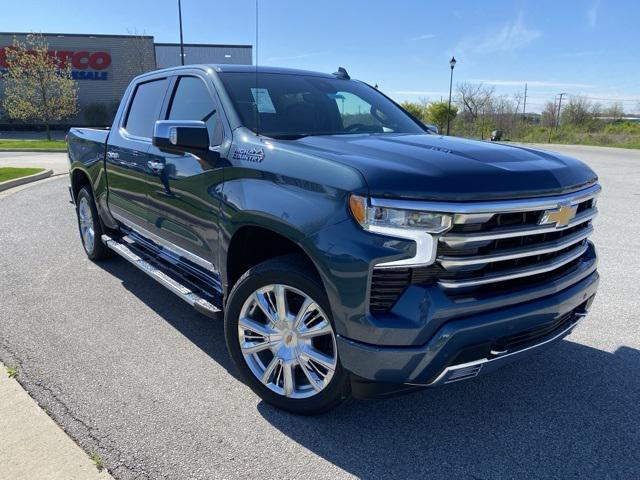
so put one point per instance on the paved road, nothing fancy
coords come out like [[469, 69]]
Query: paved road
[[128, 369], [56, 161]]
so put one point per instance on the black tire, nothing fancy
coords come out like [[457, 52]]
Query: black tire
[[293, 271], [95, 250]]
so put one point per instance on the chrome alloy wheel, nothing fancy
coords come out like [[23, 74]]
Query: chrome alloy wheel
[[287, 341], [85, 217]]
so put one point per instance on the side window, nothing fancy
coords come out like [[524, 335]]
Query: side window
[[145, 108], [192, 101]]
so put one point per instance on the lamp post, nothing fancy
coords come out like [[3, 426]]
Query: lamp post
[[452, 63], [181, 42]]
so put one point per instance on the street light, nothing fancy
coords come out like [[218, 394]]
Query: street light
[[452, 63]]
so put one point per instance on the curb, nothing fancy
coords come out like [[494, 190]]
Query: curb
[[24, 180], [32, 150]]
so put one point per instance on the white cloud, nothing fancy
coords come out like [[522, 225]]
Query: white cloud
[[592, 15], [511, 36], [426, 36], [295, 57], [532, 83]]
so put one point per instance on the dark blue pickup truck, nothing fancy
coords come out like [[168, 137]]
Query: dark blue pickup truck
[[351, 251]]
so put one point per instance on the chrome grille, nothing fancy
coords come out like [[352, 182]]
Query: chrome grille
[[496, 247], [501, 245]]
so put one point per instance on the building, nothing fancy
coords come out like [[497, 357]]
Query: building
[[168, 54], [103, 66]]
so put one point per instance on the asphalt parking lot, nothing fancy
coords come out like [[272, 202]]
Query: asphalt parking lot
[[128, 369]]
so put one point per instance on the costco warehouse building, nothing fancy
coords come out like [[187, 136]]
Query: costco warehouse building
[[104, 65]]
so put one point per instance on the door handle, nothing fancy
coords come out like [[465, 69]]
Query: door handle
[[113, 155], [155, 166]]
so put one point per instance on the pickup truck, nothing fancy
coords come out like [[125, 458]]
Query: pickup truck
[[349, 250]]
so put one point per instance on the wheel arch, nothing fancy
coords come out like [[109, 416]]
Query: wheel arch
[[253, 243]]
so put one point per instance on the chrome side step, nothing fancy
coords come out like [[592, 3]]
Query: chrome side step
[[193, 298]]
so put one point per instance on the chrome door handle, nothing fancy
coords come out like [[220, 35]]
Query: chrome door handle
[[113, 155], [155, 166]]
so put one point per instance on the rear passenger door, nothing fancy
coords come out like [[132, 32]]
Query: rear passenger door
[[128, 170], [184, 194]]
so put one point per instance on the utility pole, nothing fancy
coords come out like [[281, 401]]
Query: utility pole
[[181, 42], [559, 108], [524, 107]]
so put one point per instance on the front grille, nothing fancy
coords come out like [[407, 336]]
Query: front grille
[[494, 251]]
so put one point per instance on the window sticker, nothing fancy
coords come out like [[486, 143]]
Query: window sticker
[[263, 100]]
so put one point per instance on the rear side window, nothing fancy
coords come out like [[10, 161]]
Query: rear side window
[[145, 108], [192, 101]]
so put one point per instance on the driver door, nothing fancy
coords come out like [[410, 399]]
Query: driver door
[[183, 196]]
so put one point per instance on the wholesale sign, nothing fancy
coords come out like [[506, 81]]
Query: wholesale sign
[[85, 65]]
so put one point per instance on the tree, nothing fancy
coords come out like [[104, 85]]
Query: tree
[[549, 114], [416, 109], [37, 86], [437, 113], [577, 111], [474, 97], [615, 111]]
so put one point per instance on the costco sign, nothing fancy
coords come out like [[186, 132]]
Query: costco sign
[[85, 65]]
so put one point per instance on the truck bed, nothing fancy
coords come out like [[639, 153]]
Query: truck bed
[[87, 145]]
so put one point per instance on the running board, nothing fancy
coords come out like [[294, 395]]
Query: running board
[[162, 276]]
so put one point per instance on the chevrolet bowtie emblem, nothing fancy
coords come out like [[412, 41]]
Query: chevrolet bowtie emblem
[[561, 216]]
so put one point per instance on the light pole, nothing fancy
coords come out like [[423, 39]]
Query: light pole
[[181, 42], [452, 63]]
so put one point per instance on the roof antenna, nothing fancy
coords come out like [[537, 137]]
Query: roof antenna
[[342, 74], [257, 94]]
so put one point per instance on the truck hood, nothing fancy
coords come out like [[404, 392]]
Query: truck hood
[[449, 168]]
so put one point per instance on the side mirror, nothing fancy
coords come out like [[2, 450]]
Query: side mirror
[[181, 136]]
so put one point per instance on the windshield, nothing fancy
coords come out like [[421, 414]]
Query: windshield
[[293, 106]]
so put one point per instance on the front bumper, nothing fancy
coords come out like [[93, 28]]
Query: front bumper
[[464, 347]]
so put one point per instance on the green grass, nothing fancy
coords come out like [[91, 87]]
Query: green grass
[[95, 457], [10, 173], [33, 145], [12, 372]]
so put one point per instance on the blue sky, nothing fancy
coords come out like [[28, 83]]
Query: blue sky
[[588, 47]]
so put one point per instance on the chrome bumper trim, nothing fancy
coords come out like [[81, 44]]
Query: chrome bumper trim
[[464, 371]]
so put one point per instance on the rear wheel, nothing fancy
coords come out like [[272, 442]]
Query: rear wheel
[[281, 337], [89, 226]]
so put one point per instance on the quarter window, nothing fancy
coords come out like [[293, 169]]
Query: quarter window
[[145, 108], [192, 101]]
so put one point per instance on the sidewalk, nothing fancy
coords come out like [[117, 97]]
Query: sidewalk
[[32, 446], [56, 161]]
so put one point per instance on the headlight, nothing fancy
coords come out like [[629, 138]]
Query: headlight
[[374, 216], [419, 226]]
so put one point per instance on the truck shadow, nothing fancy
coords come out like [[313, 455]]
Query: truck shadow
[[571, 412], [206, 333]]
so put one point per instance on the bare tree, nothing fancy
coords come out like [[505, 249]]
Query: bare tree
[[473, 97], [577, 111], [140, 57], [549, 114], [615, 111]]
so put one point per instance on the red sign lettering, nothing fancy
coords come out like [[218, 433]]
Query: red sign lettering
[[80, 60]]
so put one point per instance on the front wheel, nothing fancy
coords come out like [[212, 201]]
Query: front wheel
[[281, 337]]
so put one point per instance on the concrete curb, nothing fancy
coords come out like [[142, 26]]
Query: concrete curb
[[24, 180], [33, 445]]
